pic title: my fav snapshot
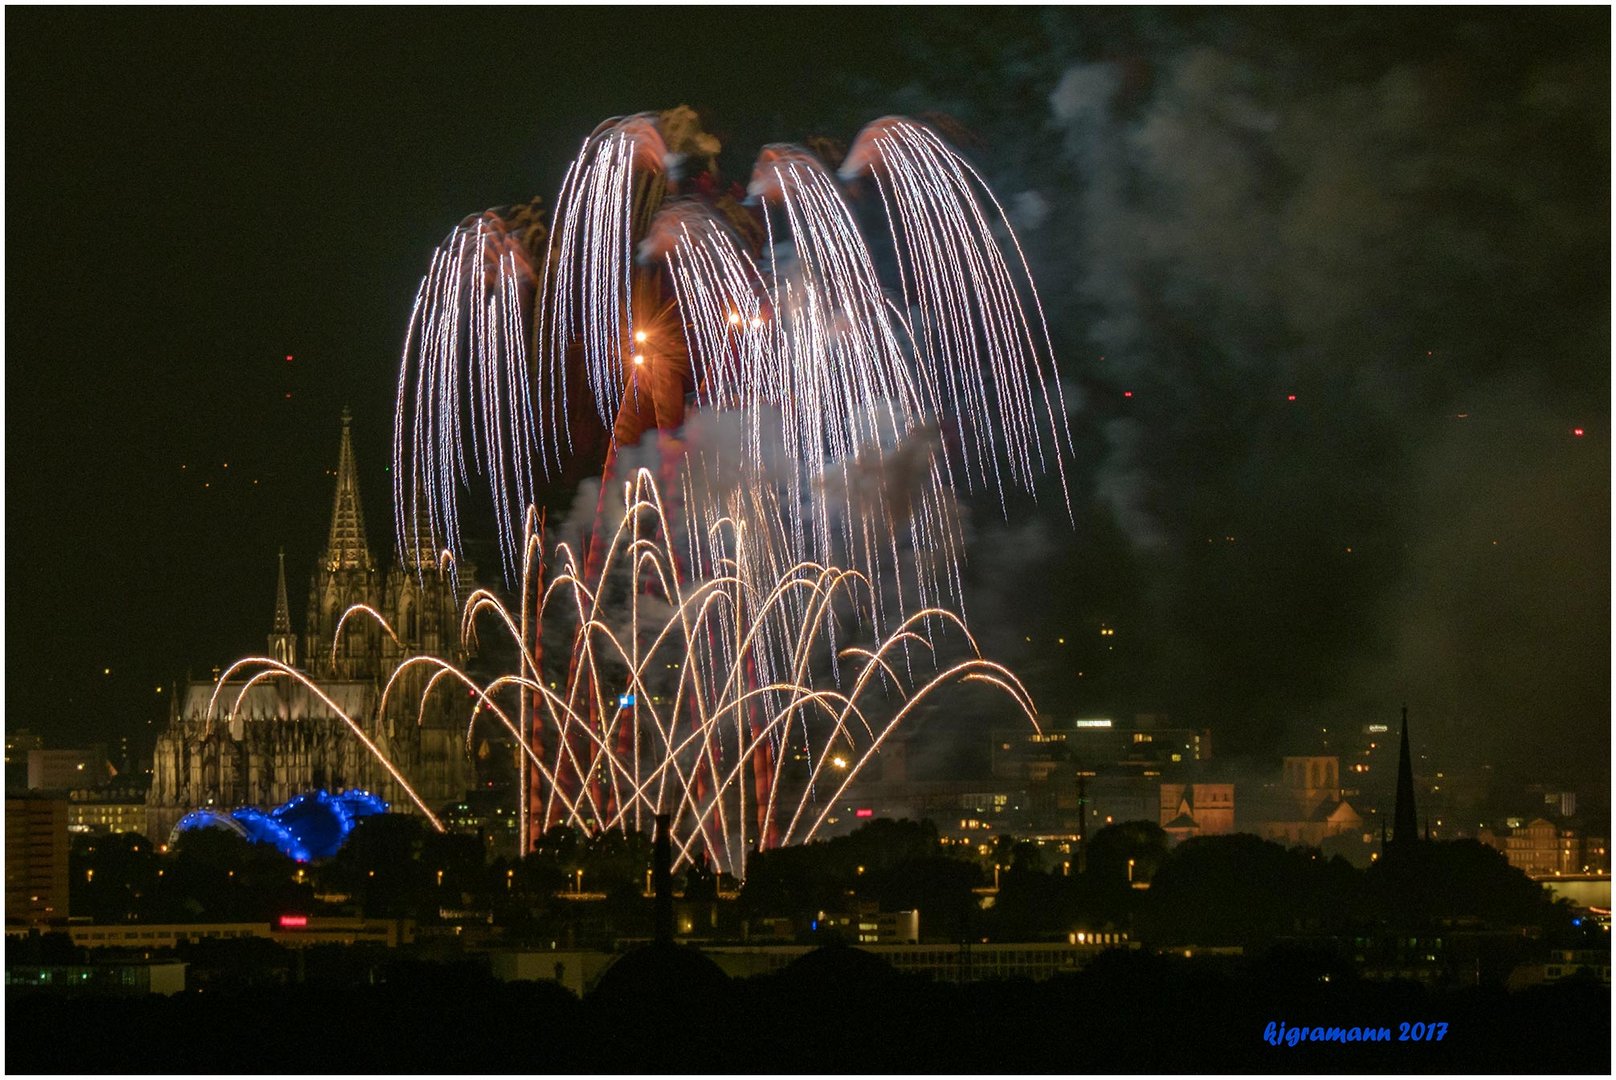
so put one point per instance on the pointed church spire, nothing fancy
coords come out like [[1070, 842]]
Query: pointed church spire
[[418, 552], [282, 642], [1405, 823], [346, 548], [283, 610]]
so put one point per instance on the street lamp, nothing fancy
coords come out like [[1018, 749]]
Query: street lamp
[[1130, 871]]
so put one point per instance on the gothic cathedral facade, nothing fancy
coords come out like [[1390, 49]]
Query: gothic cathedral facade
[[283, 738]]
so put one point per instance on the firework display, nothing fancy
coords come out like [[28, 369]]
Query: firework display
[[789, 386]]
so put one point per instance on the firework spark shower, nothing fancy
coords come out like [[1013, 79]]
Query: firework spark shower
[[652, 291]]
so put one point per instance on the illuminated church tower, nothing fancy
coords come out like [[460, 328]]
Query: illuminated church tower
[[345, 575]]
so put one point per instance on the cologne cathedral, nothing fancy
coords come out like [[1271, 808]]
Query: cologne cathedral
[[283, 740]]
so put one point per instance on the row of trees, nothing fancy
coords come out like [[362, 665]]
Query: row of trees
[[1236, 890]]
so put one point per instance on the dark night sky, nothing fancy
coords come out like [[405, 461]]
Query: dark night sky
[[1399, 217]]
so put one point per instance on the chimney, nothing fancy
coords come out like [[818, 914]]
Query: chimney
[[662, 880]]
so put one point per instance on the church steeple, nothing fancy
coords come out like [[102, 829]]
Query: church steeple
[[1405, 823], [417, 552], [346, 548], [282, 642], [345, 575]]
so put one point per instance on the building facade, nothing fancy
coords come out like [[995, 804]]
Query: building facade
[[36, 860], [1309, 808], [65, 770], [1188, 810], [261, 744], [98, 811]]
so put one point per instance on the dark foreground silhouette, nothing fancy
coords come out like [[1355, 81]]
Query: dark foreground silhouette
[[835, 1010]]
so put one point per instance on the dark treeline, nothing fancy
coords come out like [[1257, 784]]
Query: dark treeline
[[1214, 891], [1296, 915], [835, 1010]]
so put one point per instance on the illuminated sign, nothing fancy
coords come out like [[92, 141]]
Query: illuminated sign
[[625, 701], [294, 922], [1093, 723], [864, 811], [1377, 729]]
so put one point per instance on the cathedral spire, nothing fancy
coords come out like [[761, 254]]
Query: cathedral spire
[[283, 610], [418, 553], [1405, 823], [346, 548], [282, 642]]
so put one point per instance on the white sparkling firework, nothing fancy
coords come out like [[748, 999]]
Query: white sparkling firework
[[808, 337]]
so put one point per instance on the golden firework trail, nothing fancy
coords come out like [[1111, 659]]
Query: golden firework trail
[[694, 695]]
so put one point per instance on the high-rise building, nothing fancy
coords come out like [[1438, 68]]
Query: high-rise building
[[36, 859], [263, 744]]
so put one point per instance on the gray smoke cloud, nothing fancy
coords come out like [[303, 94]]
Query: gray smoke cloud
[[1402, 219]]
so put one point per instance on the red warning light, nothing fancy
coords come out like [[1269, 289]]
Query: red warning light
[[290, 922], [288, 358], [1127, 393], [1290, 397], [1577, 431]]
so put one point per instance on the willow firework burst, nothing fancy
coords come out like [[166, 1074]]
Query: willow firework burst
[[761, 596]]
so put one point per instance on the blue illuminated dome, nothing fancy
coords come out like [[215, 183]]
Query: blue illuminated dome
[[312, 825]]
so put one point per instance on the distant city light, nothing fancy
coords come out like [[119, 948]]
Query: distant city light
[[1577, 431], [293, 921]]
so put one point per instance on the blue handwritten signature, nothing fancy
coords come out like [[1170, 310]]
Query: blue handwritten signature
[[1281, 1034]]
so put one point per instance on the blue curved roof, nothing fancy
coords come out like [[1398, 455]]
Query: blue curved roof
[[309, 826]]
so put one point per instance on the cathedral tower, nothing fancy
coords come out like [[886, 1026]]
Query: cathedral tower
[[345, 575]]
